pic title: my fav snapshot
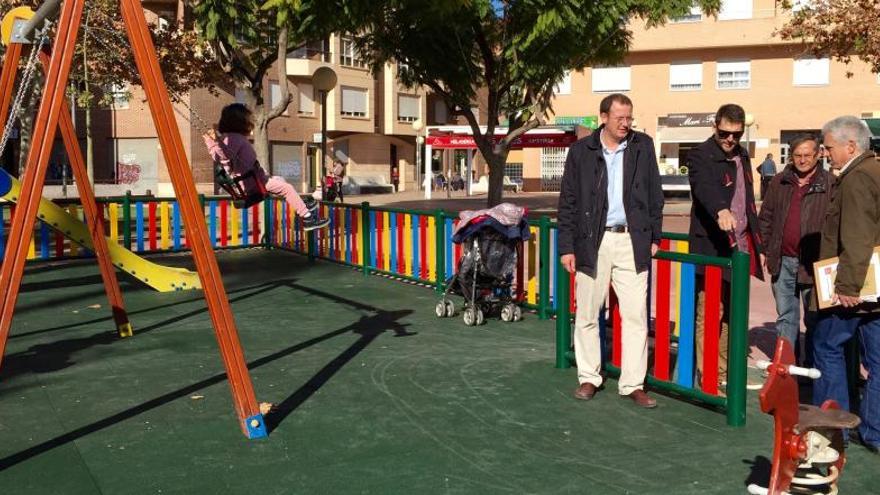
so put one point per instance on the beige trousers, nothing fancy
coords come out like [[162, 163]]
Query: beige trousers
[[616, 266], [700, 330]]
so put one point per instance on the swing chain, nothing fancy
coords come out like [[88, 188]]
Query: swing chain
[[25, 85]]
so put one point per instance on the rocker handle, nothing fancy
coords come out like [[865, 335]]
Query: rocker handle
[[812, 373]]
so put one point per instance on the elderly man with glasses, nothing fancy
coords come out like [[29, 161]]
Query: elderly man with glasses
[[723, 216], [850, 232]]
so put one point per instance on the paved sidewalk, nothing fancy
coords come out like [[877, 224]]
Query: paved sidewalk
[[539, 203]]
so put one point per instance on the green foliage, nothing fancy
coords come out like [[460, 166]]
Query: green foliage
[[103, 58], [512, 52]]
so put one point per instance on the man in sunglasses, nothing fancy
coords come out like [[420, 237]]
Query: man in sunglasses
[[723, 216]]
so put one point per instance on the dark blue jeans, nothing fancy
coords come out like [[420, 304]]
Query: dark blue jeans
[[832, 332], [790, 296]]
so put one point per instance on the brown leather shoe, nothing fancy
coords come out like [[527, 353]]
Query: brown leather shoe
[[641, 399], [585, 391]]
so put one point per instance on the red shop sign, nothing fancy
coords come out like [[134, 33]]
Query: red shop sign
[[524, 141]]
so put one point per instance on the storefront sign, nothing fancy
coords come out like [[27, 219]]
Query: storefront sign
[[687, 120], [590, 121], [525, 141]]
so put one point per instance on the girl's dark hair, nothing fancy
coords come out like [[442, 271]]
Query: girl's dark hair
[[235, 118]]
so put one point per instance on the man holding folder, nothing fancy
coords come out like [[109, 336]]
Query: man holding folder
[[850, 232]]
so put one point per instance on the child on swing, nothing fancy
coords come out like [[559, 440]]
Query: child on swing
[[236, 154]]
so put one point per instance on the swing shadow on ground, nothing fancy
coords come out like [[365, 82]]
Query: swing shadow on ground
[[368, 327], [54, 356]]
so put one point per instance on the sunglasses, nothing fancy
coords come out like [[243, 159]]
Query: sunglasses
[[722, 134]]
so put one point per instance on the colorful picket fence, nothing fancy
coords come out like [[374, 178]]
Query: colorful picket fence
[[417, 246], [145, 225]]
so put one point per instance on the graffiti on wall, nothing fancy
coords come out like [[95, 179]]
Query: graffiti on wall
[[127, 170]]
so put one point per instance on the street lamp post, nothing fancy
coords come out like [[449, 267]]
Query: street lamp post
[[324, 79], [426, 179]]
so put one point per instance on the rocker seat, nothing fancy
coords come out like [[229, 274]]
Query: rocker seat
[[815, 418]]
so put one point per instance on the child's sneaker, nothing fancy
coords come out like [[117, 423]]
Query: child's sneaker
[[313, 222]]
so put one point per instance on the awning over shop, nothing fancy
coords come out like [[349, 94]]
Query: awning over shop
[[874, 125], [460, 137]]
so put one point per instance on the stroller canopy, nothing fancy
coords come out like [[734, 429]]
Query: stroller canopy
[[507, 219]]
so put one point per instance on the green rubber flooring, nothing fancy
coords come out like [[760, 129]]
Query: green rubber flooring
[[375, 396]]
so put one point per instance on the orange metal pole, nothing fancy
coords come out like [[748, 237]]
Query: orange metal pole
[[193, 216], [37, 162], [7, 79], [93, 220]]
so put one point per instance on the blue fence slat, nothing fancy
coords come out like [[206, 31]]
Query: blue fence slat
[[212, 223], [450, 249], [175, 216], [245, 232], [686, 332], [139, 225]]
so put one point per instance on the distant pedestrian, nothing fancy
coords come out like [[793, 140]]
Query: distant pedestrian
[[767, 170]]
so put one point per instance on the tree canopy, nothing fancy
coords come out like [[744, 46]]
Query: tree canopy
[[251, 37], [515, 51], [838, 28]]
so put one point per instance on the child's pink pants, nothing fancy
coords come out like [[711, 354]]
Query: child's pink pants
[[280, 187]]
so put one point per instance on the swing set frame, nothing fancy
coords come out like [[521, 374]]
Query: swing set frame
[[52, 115]]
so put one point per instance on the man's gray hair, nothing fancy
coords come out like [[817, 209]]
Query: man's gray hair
[[849, 128]]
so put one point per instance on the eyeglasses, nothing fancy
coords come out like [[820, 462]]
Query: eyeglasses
[[722, 134]]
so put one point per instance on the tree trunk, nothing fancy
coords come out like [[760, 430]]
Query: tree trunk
[[496, 162], [261, 140], [90, 147]]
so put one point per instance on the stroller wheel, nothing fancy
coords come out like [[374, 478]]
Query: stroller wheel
[[440, 309], [507, 312], [517, 313], [481, 318], [450, 309], [470, 317]]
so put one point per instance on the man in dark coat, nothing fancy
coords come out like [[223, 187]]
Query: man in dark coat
[[723, 214], [791, 219], [851, 232], [610, 216]]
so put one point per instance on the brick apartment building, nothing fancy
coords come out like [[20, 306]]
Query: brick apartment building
[[369, 124]]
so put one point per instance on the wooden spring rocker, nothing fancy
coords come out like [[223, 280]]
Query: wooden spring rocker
[[808, 441]]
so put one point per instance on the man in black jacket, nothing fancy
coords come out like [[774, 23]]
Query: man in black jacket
[[723, 214], [610, 217]]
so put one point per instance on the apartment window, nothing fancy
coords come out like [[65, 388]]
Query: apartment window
[[313, 50], [441, 113], [611, 79], [350, 56], [306, 99], [120, 94], [734, 75], [354, 102], [694, 15], [685, 76], [563, 87], [811, 71], [275, 96], [408, 108], [735, 9]]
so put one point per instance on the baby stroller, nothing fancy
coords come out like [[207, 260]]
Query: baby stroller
[[491, 240]]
